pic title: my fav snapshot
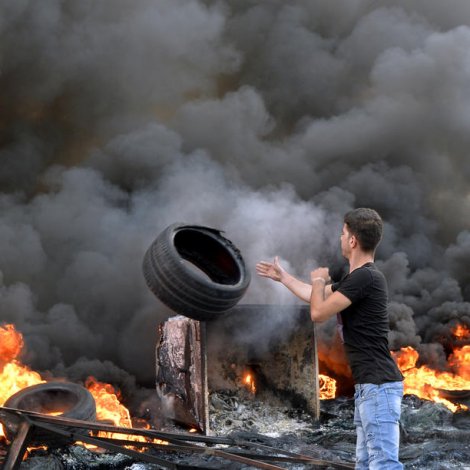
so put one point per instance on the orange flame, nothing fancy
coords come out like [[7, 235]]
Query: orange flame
[[459, 360], [11, 343], [14, 376], [249, 382], [406, 358], [108, 406], [461, 331], [327, 387], [426, 382]]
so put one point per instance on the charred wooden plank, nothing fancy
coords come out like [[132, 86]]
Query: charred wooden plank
[[94, 426], [181, 368], [228, 453], [257, 460], [108, 444], [18, 447], [242, 457]]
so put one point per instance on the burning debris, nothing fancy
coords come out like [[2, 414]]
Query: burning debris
[[428, 383], [256, 405], [431, 438], [249, 453], [190, 364], [16, 379], [256, 415], [253, 408], [327, 387], [14, 376]]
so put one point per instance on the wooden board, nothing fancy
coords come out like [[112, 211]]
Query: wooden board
[[181, 371]]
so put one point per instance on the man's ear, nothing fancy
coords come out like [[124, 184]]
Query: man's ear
[[353, 241]]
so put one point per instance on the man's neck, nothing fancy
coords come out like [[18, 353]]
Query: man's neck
[[359, 259]]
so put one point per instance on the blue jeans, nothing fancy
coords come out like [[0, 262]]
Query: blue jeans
[[376, 417]]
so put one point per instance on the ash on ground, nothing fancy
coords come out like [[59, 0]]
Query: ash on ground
[[235, 411], [432, 437]]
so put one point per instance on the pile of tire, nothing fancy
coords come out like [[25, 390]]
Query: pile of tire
[[195, 271]]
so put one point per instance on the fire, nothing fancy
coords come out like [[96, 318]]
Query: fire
[[327, 387], [108, 406], [461, 331], [11, 343], [249, 382], [426, 382], [14, 376], [460, 361], [406, 358]]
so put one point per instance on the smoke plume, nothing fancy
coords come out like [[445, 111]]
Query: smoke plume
[[267, 120]]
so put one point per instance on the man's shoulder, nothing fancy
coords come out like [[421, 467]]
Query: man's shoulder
[[374, 279], [363, 276], [365, 272], [355, 285], [367, 275], [374, 271]]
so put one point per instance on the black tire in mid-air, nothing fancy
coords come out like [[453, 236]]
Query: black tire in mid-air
[[195, 271], [64, 399]]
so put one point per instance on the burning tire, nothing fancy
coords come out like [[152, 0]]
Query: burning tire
[[195, 271], [63, 399]]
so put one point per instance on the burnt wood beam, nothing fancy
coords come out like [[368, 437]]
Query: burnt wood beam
[[257, 460], [109, 446], [181, 370], [5, 414], [18, 447]]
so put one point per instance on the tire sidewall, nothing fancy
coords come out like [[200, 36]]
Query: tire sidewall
[[183, 289]]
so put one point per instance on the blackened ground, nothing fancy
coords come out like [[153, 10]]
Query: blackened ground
[[433, 438]]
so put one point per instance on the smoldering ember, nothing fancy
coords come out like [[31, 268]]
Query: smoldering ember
[[267, 121]]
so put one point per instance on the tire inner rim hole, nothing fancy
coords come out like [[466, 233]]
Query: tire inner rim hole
[[49, 402], [208, 255]]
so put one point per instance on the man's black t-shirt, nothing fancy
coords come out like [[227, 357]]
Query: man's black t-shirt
[[366, 326]]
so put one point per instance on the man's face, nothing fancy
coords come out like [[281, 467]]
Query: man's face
[[345, 245]]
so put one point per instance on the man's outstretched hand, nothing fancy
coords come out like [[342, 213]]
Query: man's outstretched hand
[[277, 273], [272, 270]]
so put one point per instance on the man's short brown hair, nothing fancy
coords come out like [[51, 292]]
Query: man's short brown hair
[[366, 225]]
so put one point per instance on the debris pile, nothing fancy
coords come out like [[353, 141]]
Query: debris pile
[[432, 437]]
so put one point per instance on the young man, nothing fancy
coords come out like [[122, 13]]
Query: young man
[[360, 302]]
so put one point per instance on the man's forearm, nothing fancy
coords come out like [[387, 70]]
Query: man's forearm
[[317, 298], [301, 289]]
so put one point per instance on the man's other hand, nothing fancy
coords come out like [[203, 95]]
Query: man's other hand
[[322, 273]]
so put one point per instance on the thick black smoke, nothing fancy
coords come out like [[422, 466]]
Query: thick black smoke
[[267, 120]]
